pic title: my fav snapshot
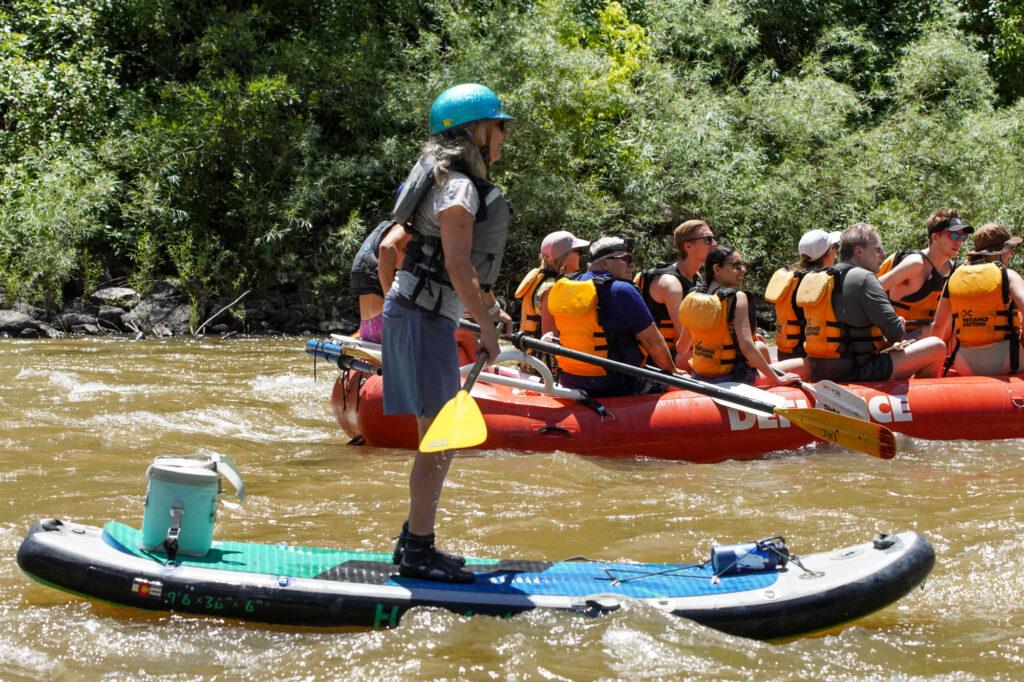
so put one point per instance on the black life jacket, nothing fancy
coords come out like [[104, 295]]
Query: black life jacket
[[363, 276], [659, 311]]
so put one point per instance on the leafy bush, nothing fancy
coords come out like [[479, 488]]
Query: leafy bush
[[235, 146]]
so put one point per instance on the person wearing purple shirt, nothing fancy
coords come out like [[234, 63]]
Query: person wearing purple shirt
[[631, 332]]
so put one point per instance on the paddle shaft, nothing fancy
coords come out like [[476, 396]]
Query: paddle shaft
[[523, 341], [481, 360]]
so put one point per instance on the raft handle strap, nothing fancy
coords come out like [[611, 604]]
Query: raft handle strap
[[170, 543], [597, 407]]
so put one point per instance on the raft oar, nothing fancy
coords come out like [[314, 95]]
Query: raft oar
[[833, 397], [866, 437], [460, 423]]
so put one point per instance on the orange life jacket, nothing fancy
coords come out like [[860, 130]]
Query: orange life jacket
[[789, 317], [824, 335], [921, 304], [709, 319]]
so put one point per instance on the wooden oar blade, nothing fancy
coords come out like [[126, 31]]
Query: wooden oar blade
[[867, 437], [459, 424]]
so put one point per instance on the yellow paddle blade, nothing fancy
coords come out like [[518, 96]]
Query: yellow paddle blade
[[459, 424], [867, 437]]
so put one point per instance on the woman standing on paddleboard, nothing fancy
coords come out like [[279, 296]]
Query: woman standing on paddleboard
[[459, 223]]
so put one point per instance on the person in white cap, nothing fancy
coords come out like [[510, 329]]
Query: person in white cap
[[983, 300], [851, 330], [560, 255], [913, 280], [817, 251]]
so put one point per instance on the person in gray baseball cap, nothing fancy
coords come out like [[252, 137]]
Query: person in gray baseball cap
[[602, 313]]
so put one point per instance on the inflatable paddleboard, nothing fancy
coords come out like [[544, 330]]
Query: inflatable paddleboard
[[324, 587]]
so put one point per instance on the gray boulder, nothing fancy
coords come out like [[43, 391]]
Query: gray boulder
[[164, 291], [71, 320], [111, 315], [171, 318], [49, 332], [123, 297], [35, 312], [12, 322]]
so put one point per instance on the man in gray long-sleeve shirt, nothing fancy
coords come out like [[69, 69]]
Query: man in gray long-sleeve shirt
[[863, 309]]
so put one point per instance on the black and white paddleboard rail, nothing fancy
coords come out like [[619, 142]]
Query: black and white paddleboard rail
[[837, 587]]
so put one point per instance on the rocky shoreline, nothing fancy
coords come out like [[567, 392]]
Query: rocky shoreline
[[164, 311]]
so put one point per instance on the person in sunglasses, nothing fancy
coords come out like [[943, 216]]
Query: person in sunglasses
[[914, 280], [666, 284], [849, 321], [983, 300], [718, 341], [602, 313]]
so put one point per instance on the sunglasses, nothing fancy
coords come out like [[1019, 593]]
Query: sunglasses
[[737, 265], [959, 235], [709, 240], [501, 125], [627, 259]]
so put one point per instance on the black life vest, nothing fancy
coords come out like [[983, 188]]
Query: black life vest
[[659, 311], [363, 276]]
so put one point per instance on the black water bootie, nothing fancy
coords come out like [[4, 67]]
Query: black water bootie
[[396, 556], [420, 559]]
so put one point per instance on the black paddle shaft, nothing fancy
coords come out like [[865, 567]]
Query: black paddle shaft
[[524, 341], [481, 358]]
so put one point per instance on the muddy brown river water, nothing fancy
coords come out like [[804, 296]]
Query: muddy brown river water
[[80, 420]]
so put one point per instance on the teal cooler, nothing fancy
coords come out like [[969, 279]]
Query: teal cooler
[[184, 490]]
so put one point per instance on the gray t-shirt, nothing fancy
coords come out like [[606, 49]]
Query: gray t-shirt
[[457, 191], [863, 303]]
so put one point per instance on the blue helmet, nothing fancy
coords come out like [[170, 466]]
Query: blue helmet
[[466, 103]]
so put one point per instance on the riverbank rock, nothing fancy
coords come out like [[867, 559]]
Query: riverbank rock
[[164, 290], [121, 297], [159, 316], [13, 323], [69, 321], [35, 312]]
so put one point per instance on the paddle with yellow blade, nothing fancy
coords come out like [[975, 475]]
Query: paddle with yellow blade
[[855, 434], [459, 424]]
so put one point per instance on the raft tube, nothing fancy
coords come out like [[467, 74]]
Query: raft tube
[[684, 425], [323, 587]]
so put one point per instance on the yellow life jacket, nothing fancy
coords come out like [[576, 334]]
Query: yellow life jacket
[[983, 311], [574, 305], [789, 318], [824, 335], [709, 319], [529, 316], [921, 304]]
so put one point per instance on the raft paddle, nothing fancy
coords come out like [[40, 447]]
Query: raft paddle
[[459, 424], [855, 434], [831, 396]]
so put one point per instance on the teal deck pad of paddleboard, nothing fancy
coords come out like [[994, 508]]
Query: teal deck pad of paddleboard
[[493, 576]]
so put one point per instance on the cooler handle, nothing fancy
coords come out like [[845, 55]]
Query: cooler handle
[[227, 466]]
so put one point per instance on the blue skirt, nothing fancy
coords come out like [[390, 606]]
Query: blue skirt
[[420, 359]]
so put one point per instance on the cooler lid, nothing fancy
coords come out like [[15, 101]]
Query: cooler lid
[[184, 471]]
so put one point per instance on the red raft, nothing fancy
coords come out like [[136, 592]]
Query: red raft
[[684, 425]]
